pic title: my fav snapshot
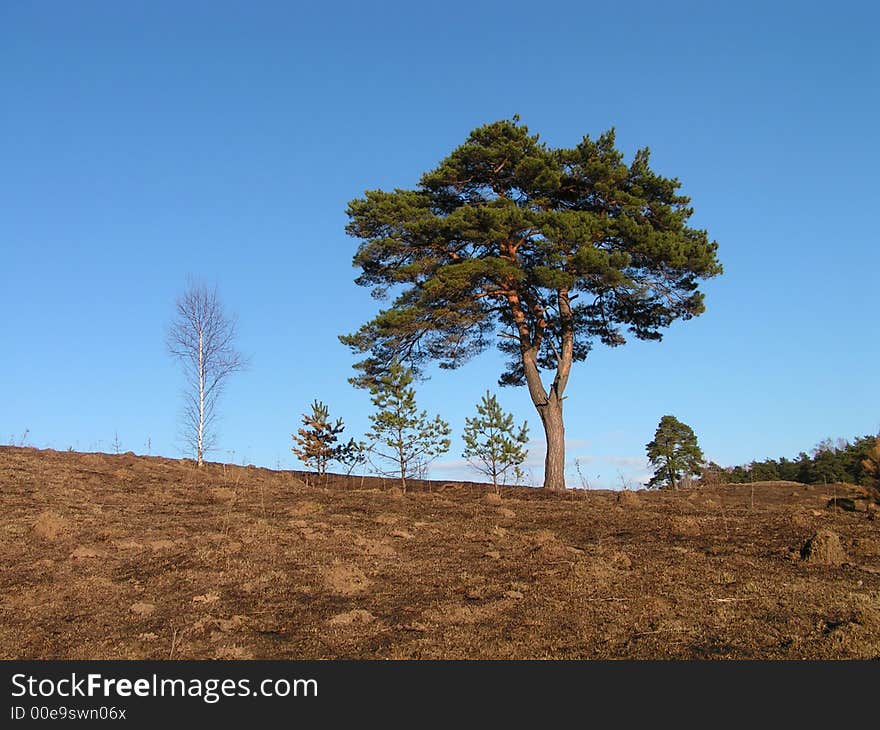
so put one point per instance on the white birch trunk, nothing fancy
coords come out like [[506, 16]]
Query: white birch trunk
[[201, 434]]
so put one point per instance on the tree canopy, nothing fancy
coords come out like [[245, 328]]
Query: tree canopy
[[674, 453], [552, 249]]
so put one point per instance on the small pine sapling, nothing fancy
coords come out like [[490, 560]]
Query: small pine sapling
[[316, 442], [493, 445], [400, 433]]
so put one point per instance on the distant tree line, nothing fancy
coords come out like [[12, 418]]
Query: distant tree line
[[830, 461]]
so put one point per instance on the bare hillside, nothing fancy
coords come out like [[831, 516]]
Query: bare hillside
[[136, 557]]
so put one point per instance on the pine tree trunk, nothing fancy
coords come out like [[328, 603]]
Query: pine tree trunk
[[554, 429], [549, 404], [401, 456], [549, 407]]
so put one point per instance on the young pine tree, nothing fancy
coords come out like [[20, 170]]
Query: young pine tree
[[316, 443], [401, 434], [673, 453], [493, 445], [352, 455]]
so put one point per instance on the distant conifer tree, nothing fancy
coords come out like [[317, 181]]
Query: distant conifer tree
[[674, 453]]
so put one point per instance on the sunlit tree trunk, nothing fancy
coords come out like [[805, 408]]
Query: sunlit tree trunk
[[200, 438]]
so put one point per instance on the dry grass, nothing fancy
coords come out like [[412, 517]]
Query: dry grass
[[134, 557]]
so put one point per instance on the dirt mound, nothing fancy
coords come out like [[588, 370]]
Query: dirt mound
[[824, 548], [49, 526], [84, 553], [355, 616], [346, 580], [851, 504], [142, 609], [628, 498]]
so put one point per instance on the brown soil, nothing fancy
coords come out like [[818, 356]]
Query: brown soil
[[824, 548], [109, 557]]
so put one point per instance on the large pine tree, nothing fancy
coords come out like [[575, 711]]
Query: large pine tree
[[550, 248]]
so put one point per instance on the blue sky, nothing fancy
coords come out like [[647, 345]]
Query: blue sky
[[142, 142]]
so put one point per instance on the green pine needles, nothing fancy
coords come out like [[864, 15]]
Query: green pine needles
[[317, 442], [401, 434], [543, 251], [674, 453], [493, 445]]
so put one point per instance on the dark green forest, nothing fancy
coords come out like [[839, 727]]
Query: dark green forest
[[830, 461]]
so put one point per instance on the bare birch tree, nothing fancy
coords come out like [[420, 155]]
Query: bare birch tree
[[202, 337]]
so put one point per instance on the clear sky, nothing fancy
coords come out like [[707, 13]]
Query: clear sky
[[144, 141]]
